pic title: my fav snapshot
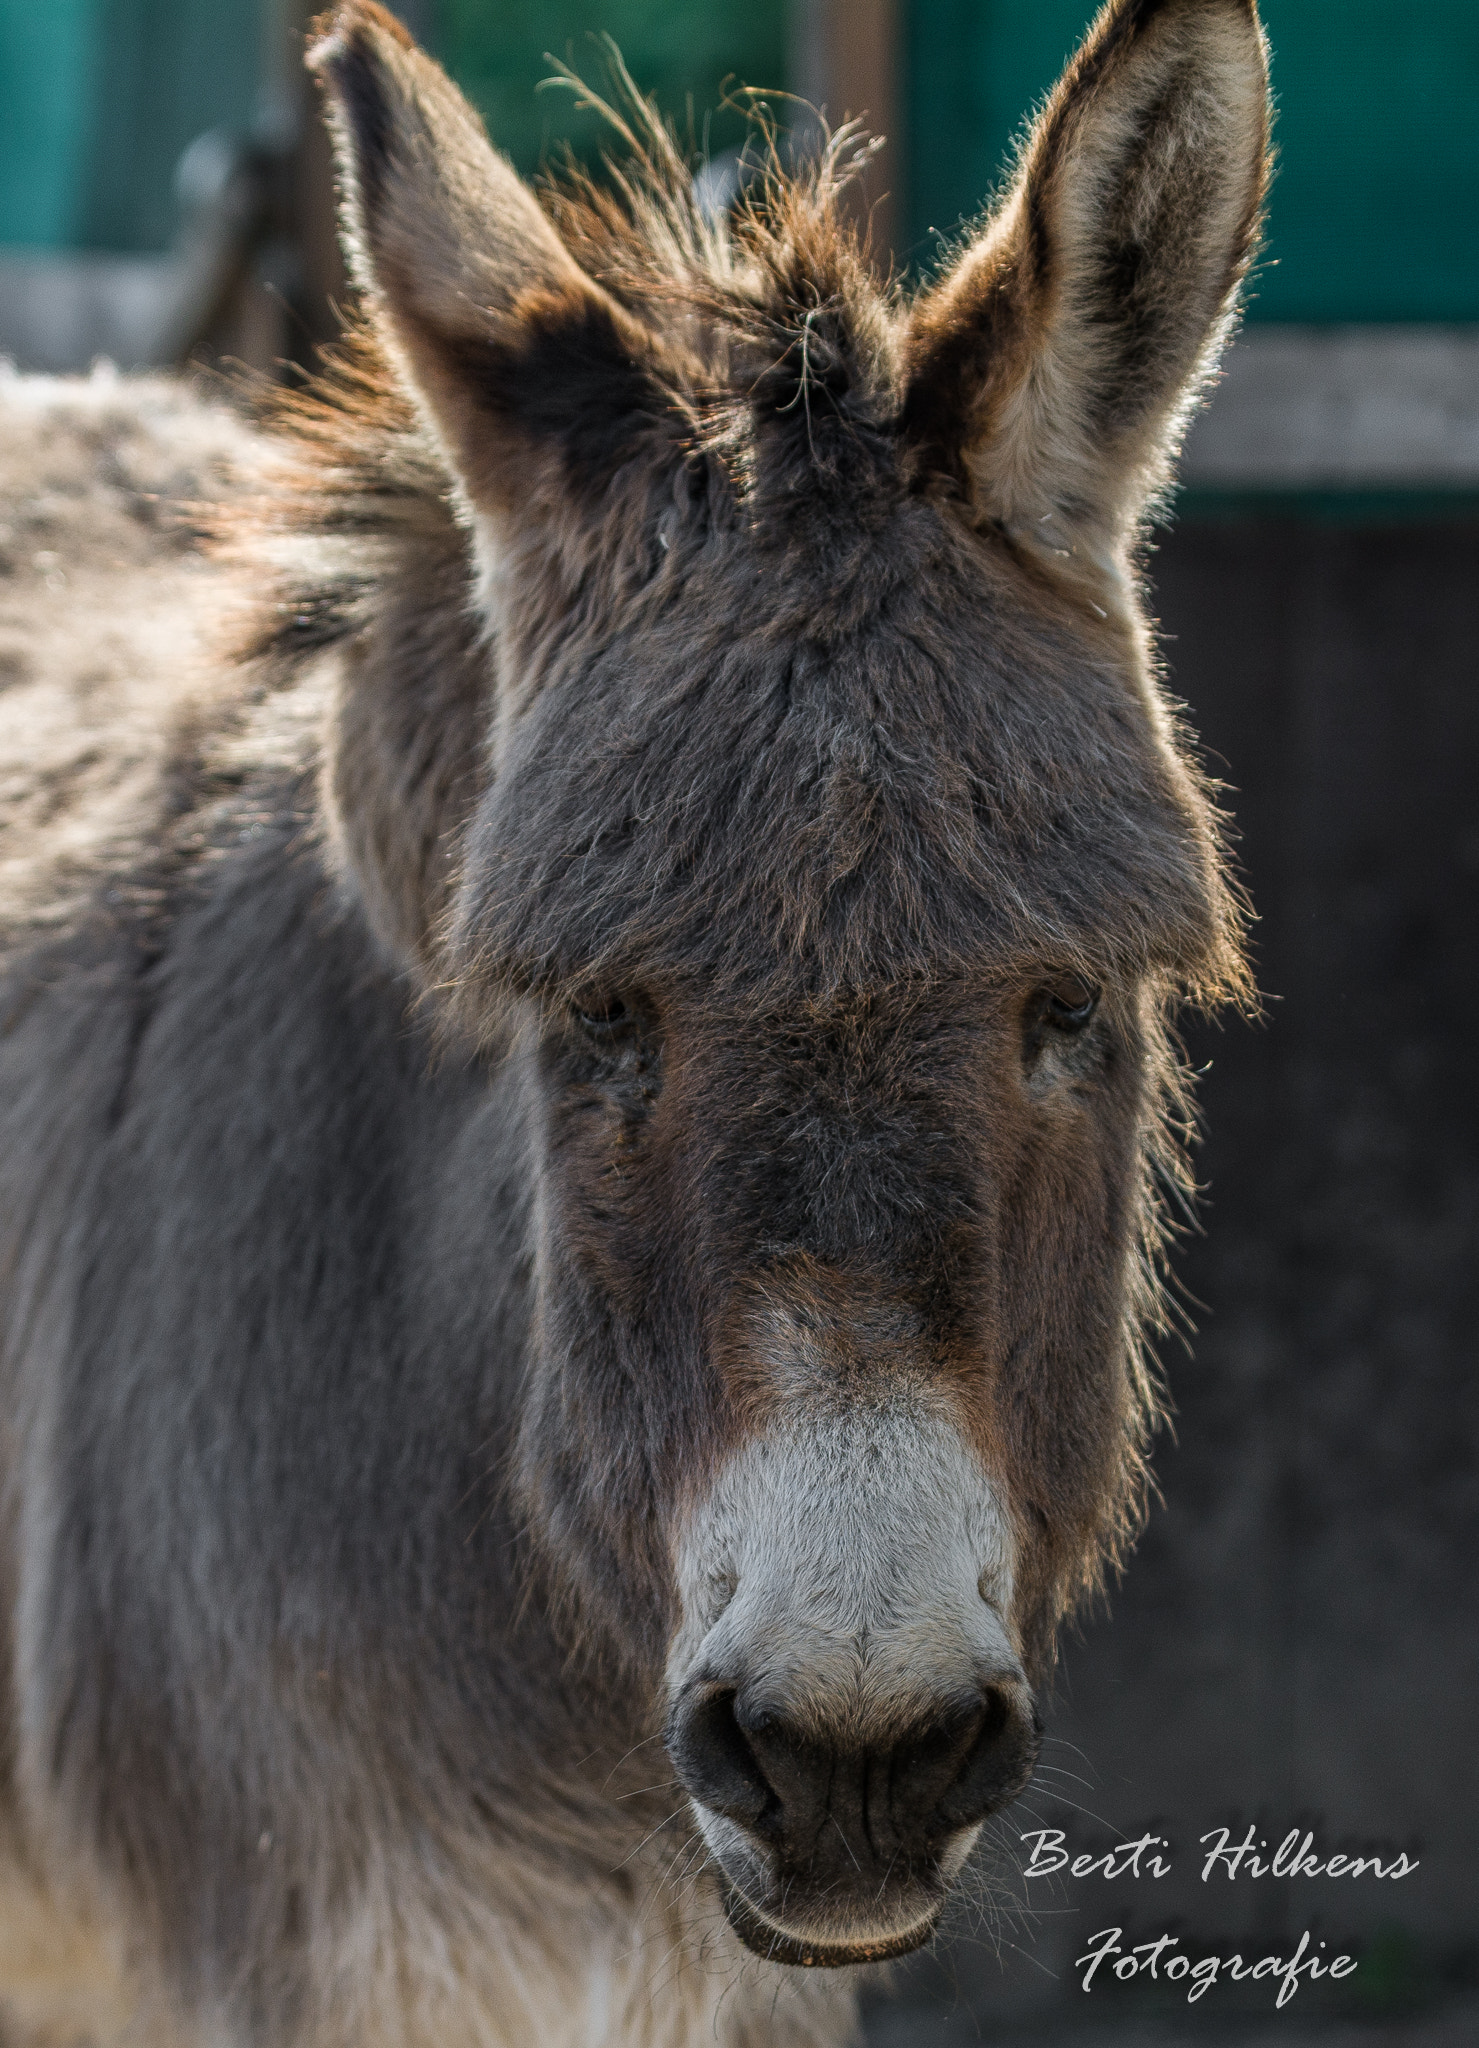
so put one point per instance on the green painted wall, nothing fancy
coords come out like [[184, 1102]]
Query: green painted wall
[[99, 97], [1375, 208], [681, 50], [46, 64], [97, 100], [1375, 212]]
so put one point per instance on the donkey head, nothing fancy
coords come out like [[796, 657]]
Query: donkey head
[[828, 867]]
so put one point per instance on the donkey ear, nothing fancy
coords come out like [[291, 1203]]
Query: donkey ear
[[511, 349], [1056, 366]]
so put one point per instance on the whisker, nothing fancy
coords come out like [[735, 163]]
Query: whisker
[[648, 1837]]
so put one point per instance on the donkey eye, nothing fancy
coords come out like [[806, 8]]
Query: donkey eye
[[605, 1021], [1069, 1003]]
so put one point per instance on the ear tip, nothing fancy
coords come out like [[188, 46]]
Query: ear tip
[[1235, 27], [352, 25], [1146, 11], [1137, 16], [355, 64]]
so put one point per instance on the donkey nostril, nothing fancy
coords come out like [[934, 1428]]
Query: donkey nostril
[[926, 1766], [740, 1758], [713, 1757], [997, 1763], [997, 1716]]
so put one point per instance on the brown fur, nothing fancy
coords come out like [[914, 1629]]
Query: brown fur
[[581, 973]]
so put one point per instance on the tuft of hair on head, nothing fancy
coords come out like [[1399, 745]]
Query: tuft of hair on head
[[550, 348]]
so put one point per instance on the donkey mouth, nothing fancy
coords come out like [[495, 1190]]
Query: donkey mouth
[[775, 1945]]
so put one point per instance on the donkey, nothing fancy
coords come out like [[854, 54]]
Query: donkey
[[587, 1085]]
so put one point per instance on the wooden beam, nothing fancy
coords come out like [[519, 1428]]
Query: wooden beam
[[844, 60]]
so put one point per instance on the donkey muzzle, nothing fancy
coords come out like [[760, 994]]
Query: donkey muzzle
[[847, 1704]]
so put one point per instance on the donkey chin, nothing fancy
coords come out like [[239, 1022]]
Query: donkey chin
[[847, 1705]]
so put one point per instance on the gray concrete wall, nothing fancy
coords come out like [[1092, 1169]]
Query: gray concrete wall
[[1341, 408]]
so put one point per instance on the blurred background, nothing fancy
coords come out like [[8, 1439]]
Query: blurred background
[[1297, 1641]]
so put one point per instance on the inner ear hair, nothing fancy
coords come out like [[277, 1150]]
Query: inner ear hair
[[1052, 371]]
